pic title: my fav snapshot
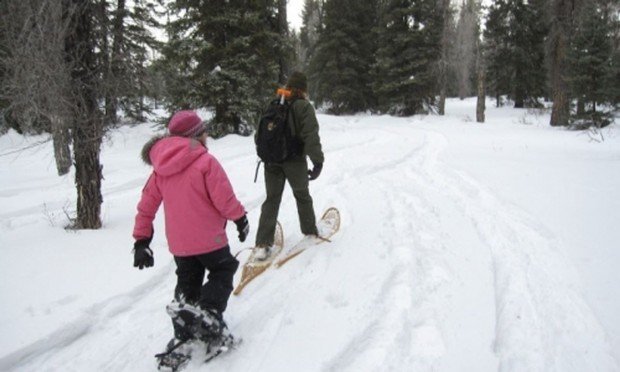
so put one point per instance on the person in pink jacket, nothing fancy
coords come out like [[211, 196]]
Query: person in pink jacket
[[198, 201]]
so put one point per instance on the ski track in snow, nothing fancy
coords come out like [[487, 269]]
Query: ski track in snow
[[451, 278], [540, 316], [75, 346]]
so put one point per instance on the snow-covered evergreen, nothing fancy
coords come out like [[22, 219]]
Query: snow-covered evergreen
[[340, 69], [409, 48], [226, 54], [514, 35]]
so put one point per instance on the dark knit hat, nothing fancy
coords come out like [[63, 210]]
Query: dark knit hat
[[186, 123], [298, 80]]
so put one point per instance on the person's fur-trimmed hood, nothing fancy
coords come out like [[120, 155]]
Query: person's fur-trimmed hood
[[146, 150], [172, 154]]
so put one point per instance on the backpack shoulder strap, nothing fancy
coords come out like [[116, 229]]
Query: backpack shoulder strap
[[293, 127]]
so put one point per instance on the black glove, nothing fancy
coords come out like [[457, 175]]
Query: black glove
[[142, 254], [243, 227], [315, 172]]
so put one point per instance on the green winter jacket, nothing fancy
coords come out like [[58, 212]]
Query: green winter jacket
[[306, 128]]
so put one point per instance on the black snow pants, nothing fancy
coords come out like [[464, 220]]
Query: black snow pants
[[214, 294]]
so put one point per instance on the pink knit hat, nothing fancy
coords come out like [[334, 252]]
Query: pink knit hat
[[186, 123]]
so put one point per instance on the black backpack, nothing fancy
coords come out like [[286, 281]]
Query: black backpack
[[274, 139]]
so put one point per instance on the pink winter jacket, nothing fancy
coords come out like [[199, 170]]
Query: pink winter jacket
[[198, 197]]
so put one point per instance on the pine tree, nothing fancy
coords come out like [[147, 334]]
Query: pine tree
[[312, 24], [125, 41], [529, 25], [287, 56], [562, 17], [224, 54], [4, 103], [515, 34], [410, 47], [590, 57], [615, 70], [141, 43], [87, 123], [614, 9], [177, 64], [497, 50], [480, 82], [344, 56], [445, 61], [467, 30]]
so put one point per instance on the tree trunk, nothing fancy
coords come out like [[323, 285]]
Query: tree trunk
[[462, 90], [62, 152], [481, 104], [581, 107], [561, 108], [105, 62], [441, 107], [519, 98], [88, 173], [115, 77], [87, 125], [224, 121], [283, 31], [563, 14], [443, 63], [519, 92]]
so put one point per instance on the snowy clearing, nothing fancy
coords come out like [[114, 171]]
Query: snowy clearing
[[463, 246]]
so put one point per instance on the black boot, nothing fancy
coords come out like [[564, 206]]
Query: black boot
[[205, 325]]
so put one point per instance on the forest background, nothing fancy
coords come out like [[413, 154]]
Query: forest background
[[78, 69]]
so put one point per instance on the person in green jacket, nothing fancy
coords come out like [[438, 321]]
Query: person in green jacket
[[302, 119]]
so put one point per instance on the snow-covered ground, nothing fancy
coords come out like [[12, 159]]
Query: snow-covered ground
[[463, 247]]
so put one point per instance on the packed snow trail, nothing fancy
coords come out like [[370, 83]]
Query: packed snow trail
[[431, 271]]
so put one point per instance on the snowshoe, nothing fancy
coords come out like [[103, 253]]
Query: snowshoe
[[327, 227], [177, 355], [219, 346], [258, 261]]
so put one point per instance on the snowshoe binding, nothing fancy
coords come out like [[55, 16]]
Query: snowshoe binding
[[176, 357], [207, 331], [220, 345], [204, 325]]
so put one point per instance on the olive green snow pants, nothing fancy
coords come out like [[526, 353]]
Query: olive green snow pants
[[296, 172]]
